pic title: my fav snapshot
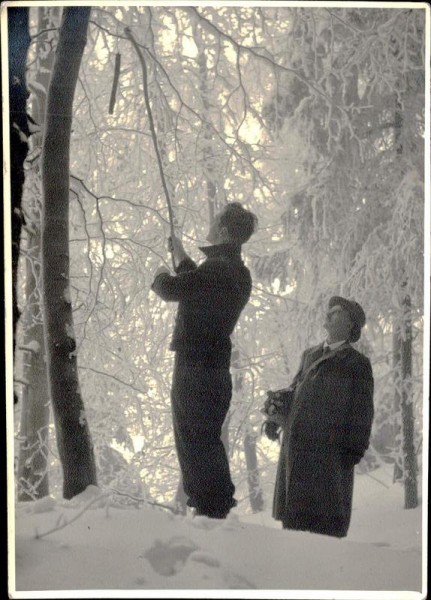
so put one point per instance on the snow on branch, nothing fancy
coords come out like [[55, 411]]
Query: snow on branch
[[102, 499], [62, 522]]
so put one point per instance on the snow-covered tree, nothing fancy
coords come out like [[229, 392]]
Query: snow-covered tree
[[72, 430]]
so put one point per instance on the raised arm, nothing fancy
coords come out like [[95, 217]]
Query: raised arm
[[189, 281]]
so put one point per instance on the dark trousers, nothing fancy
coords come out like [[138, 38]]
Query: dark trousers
[[200, 401]]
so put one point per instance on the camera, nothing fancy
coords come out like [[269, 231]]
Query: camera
[[278, 403], [276, 409]]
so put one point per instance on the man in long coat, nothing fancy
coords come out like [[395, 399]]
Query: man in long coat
[[326, 416], [210, 299]]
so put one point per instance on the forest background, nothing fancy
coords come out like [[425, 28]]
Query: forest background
[[314, 118]]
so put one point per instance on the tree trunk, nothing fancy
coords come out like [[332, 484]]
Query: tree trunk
[[406, 468], [255, 491], [396, 366], [253, 480], [32, 462], [409, 454], [18, 43], [33, 435], [72, 430], [209, 174], [405, 355]]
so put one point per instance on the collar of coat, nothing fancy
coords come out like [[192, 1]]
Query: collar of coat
[[336, 353], [334, 345], [224, 250]]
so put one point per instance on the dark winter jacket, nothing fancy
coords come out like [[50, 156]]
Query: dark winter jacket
[[210, 299], [327, 431]]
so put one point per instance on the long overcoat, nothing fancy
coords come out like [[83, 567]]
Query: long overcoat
[[330, 418]]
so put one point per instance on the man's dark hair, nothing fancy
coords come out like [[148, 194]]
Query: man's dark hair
[[239, 222]]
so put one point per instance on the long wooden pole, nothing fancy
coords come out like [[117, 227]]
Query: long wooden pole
[[152, 128]]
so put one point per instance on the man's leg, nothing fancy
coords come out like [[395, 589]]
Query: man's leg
[[200, 401]]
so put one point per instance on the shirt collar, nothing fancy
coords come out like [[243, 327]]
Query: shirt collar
[[221, 250], [334, 345]]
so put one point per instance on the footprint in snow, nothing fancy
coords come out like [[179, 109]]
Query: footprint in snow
[[167, 558]]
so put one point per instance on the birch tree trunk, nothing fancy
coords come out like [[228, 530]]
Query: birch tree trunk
[[73, 436]]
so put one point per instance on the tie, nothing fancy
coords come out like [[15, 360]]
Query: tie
[[320, 352]]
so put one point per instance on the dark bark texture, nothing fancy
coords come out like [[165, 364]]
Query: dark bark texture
[[405, 367], [72, 431], [18, 43], [407, 413]]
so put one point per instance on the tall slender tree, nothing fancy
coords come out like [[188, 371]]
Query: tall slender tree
[[72, 429], [19, 132], [402, 330], [34, 424]]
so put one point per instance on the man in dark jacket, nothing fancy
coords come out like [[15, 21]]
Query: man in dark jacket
[[210, 300], [326, 416]]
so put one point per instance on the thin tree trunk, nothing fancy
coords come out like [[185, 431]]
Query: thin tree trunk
[[409, 454], [72, 430], [18, 44], [253, 480], [34, 424], [396, 366], [208, 162], [405, 355]]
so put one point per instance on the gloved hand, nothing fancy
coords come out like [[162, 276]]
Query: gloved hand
[[272, 430], [160, 270], [277, 403]]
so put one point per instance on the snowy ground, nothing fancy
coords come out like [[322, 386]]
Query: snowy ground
[[149, 552]]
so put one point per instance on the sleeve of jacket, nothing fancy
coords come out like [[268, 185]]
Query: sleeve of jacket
[[189, 280], [362, 410]]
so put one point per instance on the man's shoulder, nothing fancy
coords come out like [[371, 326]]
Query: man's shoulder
[[224, 265], [346, 351], [358, 356], [359, 363]]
